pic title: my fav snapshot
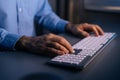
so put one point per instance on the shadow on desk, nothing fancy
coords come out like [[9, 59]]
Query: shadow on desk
[[41, 76]]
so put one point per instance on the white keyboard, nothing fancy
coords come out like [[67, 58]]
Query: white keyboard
[[85, 51]]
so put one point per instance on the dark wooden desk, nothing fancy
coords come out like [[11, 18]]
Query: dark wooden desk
[[17, 65]]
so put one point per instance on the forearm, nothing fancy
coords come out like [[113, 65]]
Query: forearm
[[48, 19], [52, 22]]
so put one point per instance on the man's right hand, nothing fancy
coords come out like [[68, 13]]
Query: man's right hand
[[45, 44]]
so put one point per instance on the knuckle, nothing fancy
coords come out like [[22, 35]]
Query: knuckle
[[50, 34], [94, 27], [85, 23], [49, 44], [55, 43], [61, 39]]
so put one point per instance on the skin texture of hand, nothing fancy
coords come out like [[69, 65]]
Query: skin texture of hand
[[83, 30], [48, 44]]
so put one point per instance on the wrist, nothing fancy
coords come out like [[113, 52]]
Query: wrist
[[21, 43], [68, 27]]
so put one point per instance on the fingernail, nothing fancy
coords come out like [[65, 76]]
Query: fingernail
[[73, 51]]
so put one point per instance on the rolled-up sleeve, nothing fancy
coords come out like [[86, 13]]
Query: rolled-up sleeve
[[8, 40], [49, 20]]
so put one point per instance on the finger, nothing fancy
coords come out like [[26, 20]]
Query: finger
[[94, 29], [47, 51], [82, 32], [97, 30], [54, 51], [101, 32], [57, 46], [64, 43]]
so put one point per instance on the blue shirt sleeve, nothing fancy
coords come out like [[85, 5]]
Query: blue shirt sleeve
[[8, 40], [49, 20], [17, 17]]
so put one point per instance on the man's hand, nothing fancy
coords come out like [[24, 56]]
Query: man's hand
[[82, 30], [45, 44]]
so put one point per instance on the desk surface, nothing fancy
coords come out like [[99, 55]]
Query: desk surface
[[17, 65]]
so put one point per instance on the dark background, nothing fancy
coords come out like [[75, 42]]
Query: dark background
[[74, 11]]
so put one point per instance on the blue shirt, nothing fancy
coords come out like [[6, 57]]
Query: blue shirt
[[18, 18]]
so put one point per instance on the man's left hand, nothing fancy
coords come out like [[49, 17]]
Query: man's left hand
[[83, 30]]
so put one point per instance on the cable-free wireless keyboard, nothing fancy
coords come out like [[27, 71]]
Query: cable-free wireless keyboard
[[85, 51]]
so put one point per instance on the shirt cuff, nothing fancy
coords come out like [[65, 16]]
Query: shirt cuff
[[61, 25], [10, 41]]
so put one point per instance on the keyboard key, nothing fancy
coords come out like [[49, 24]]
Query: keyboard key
[[77, 51]]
